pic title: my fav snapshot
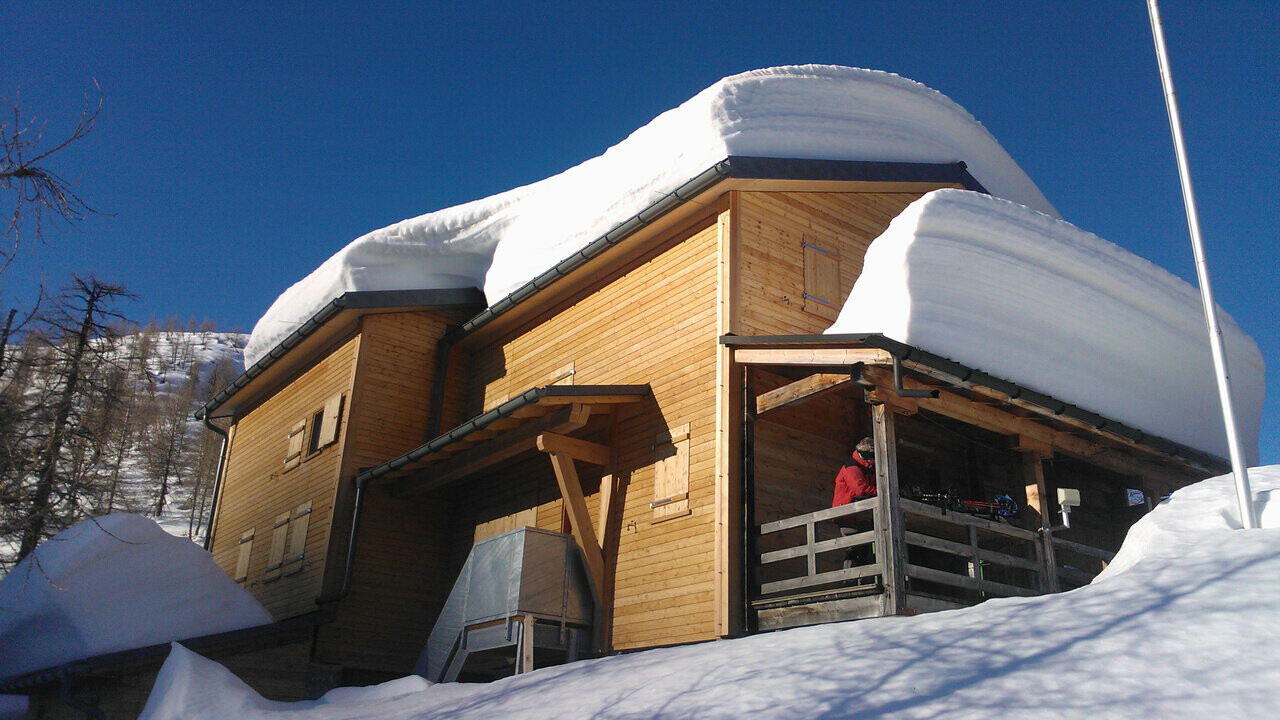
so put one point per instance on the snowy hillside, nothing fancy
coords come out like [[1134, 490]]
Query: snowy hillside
[[1183, 624]]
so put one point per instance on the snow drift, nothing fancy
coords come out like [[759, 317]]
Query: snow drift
[[805, 112], [113, 583], [1183, 624], [1035, 300]]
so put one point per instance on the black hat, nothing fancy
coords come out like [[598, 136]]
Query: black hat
[[866, 447]]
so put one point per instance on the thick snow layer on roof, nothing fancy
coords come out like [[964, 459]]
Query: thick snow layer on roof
[[1035, 300], [113, 583], [805, 112], [1183, 624]]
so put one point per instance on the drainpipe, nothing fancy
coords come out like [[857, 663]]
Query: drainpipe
[[443, 346], [350, 563], [901, 391], [217, 479]]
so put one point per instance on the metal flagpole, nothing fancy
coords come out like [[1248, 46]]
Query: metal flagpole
[[1243, 496]]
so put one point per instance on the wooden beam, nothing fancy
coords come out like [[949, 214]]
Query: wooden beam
[[991, 417], [891, 545], [728, 561], [799, 390], [830, 357], [583, 533], [487, 454], [576, 448]]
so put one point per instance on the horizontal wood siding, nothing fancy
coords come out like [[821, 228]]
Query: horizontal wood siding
[[772, 228], [654, 324], [258, 489], [401, 575]]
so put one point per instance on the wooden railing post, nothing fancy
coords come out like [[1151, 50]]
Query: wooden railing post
[[891, 549]]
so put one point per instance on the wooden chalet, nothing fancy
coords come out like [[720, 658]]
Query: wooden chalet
[[664, 398]]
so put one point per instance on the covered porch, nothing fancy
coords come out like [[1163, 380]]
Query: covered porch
[[956, 449]]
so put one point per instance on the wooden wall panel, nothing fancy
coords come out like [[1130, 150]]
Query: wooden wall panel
[[772, 227], [401, 577], [257, 488], [655, 324]]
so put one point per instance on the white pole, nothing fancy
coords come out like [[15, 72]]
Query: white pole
[[1243, 496]]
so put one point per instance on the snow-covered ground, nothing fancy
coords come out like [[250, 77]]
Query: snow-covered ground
[[1035, 300], [1183, 624], [806, 112]]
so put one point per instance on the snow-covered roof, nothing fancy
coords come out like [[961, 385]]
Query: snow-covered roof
[[1034, 300], [113, 583], [806, 112]]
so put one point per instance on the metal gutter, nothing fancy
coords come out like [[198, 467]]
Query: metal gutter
[[356, 300], [962, 375], [734, 166], [479, 422]]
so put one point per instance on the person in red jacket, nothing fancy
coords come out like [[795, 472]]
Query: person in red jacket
[[856, 481]]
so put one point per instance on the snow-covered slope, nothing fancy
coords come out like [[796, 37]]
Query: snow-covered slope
[[806, 112], [1184, 624], [1035, 300], [113, 583]]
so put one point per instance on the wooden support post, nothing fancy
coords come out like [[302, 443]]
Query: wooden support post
[[1039, 509], [526, 645], [975, 560], [890, 542], [728, 550], [583, 534]]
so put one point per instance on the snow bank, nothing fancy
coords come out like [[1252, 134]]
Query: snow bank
[[1184, 624], [1035, 300], [806, 112], [113, 583]]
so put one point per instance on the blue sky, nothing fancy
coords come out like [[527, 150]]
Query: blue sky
[[242, 144]]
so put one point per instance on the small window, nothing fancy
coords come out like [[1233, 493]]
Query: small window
[[317, 426], [821, 278], [293, 455], [671, 474]]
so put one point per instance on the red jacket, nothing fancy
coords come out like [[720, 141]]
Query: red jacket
[[855, 481]]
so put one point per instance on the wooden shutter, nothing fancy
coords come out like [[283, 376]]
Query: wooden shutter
[[332, 417], [297, 434], [821, 279], [279, 532], [298, 539], [246, 549], [671, 475]]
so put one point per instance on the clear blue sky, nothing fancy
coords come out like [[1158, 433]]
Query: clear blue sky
[[241, 145]]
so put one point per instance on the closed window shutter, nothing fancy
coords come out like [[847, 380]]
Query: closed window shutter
[[332, 417], [246, 550], [279, 533], [297, 434], [298, 539], [821, 279], [671, 475]]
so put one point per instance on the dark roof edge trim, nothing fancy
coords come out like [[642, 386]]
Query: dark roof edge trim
[[355, 300], [528, 397], [962, 375], [734, 166]]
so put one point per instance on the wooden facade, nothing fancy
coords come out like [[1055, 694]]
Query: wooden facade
[[674, 495]]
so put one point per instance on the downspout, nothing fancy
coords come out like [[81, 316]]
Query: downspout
[[349, 564], [217, 477], [443, 346]]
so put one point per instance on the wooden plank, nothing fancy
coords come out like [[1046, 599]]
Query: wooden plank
[[1037, 496], [575, 448], [891, 549], [583, 532], [918, 508], [819, 516], [845, 541], [828, 357], [970, 551], [1104, 555], [799, 390], [826, 578]]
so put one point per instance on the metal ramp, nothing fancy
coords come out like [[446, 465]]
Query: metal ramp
[[524, 590]]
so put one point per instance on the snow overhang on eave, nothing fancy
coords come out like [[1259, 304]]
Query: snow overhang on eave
[[328, 325], [951, 374], [732, 173]]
